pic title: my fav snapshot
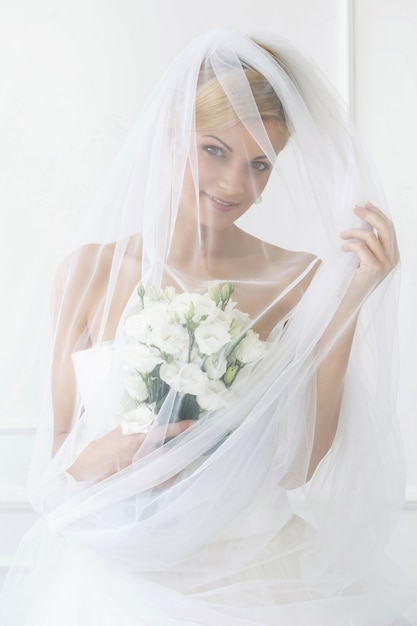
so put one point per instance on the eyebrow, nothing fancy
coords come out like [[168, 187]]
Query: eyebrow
[[257, 158]]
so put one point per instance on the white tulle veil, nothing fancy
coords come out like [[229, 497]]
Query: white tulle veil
[[193, 517]]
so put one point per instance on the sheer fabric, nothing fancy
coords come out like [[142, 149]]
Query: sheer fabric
[[222, 523]]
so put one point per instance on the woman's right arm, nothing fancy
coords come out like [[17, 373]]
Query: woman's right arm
[[76, 306], [114, 451], [70, 304]]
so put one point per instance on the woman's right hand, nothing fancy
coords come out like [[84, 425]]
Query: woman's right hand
[[114, 451]]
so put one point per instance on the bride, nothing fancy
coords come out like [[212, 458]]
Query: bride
[[220, 406]]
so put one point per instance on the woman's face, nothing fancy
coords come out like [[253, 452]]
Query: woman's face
[[232, 172]]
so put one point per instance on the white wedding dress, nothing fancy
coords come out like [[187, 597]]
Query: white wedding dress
[[65, 581]]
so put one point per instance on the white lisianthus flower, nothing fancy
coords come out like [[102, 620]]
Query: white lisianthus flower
[[211, 337], [152, 307], [240, 322], [203, 307], [215, 366], [137, 421], [137, 327], [212, 398], [136, 388], [141, 358], [169, 337], [187, 378], [196, 357], [250, 349], [221, 317]]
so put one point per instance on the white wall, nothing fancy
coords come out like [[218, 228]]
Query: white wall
[[74, 74], [385, 64]]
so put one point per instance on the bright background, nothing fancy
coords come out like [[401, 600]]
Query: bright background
[[73, 75]]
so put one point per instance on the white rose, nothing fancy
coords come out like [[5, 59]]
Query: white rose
[[215, 366], [167, 336], [141, 358], [187, 378], [212, 398], [137, 421], [211, 337], [136, 388], [250, 349]]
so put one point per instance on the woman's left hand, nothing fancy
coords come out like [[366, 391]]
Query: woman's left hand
[[375, 246]]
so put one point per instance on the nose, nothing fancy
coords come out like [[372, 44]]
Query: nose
[[232, 180]]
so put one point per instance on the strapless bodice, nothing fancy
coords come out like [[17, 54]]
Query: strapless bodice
[[92, 368]]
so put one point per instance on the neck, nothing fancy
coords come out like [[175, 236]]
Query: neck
[[199, 246]]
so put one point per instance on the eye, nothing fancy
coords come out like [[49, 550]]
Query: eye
[[259, 166], [214, 150]]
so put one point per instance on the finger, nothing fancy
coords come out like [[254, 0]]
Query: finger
[[375, 209], [361, 249], [372, 209], [177, 428], [380, 223], [369, 239], [383, 228], [368, 265], [164, 434]]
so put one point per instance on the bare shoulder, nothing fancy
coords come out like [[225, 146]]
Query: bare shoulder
[[282, 278], [291, 257], [86, 260], [77, 280], [91, 263], [85, 280], [286, 265]]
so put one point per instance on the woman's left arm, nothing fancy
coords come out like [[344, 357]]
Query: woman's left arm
[[378, 254]]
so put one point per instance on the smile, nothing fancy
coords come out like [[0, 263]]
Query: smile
[[222, 205]]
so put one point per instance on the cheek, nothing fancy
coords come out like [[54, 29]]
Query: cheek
[[208, 172], [257, 183], [189, 184]]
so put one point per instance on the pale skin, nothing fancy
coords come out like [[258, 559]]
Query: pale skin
[[233, 171]]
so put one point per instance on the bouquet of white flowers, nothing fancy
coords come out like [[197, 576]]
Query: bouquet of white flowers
[[194, 344]]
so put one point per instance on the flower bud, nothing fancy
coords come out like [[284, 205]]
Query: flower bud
[[226, 292], [189, 312], [169, 293], [141, 290], [214, 292], [230, 374], [153, 294]]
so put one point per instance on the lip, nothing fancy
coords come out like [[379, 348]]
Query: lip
[[221, 205]]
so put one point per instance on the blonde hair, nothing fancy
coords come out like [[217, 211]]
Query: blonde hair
[[214, 109]]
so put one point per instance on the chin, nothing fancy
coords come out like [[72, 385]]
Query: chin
[[216, 223], [218, 219]]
